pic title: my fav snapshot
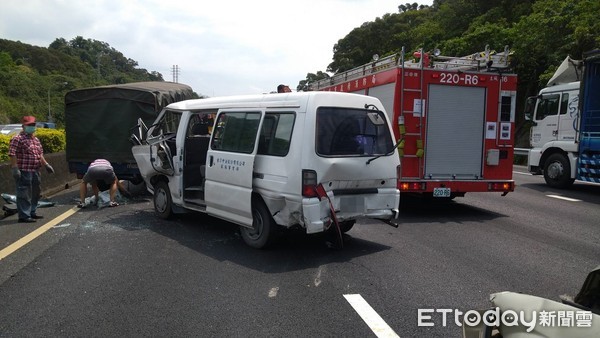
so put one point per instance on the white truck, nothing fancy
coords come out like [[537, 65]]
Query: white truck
[[565, 132], [312, 160]]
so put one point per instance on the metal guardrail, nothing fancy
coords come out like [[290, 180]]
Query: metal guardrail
[[521, 151]]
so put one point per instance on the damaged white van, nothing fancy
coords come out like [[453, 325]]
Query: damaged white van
[[264, 162]]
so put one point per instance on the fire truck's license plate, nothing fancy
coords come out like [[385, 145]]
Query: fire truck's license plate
[[441, 192]]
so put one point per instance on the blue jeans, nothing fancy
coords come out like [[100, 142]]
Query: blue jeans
[[28, 193]]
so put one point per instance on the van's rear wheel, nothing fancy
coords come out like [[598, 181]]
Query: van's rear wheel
[[262, 232], [163, 205]]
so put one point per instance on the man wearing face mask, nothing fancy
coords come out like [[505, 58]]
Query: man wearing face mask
[[26, 159]]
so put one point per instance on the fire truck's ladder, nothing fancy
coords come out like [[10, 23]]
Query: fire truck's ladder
[[416, 94], [376, 66], [487, 60]]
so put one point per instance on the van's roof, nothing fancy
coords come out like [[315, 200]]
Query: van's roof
[[295, 99]]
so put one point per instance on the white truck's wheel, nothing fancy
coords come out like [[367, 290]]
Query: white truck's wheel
[[557, 171]]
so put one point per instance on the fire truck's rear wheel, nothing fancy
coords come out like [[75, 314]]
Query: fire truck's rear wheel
[[557, 171], [163, 205], [263, 229]]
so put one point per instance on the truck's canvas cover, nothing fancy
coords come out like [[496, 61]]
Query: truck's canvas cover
[[98, 120]]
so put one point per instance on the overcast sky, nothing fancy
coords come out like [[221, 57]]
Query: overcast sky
[[222, 47]]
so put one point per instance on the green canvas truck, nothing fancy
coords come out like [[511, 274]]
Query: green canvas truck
[[99, 122]]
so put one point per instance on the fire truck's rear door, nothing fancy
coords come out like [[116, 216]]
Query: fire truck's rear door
[[455, 131]]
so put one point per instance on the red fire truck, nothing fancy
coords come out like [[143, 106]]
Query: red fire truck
[[455, 118]]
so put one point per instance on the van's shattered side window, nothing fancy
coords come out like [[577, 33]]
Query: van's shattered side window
[[167, 125], [236, 132], [352, 132], [276, 134]]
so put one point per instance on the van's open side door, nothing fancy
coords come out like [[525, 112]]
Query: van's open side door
[[230, 165]]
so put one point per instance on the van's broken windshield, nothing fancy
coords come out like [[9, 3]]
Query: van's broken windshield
[[352, 132]]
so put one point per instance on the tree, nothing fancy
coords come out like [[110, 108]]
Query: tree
[[305, 85], [32, 78]]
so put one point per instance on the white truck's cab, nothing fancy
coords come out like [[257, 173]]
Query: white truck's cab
[[554, 114], [297, 159], [553, 134]]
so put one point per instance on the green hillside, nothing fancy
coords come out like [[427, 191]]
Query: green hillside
[[34, 80]]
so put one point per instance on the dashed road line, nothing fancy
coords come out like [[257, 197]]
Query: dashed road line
[[564, 198], [373, 320]]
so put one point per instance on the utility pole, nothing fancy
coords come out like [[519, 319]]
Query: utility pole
[[98, 59], [175, 71]]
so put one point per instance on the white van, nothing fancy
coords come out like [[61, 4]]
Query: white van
[[273, 160]]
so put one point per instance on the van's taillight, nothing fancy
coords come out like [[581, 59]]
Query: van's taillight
[[309, 183]]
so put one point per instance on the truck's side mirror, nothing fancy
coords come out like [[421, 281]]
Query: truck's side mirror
[[530, 109]]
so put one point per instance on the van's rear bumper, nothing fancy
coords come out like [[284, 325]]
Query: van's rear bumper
[[381, 204]]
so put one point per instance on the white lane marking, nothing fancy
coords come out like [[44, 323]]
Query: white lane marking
[[317, 280], [373, 320], [273, 292], [522, 173], [564, 198]]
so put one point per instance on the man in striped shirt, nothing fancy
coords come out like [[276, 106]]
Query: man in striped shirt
[[99, 170], [26, 159]]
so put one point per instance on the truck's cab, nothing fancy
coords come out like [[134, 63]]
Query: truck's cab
[[565, 133], [553, 133], [310, 160], [555, 124]]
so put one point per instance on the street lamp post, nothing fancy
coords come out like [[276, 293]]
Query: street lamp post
[[49, 112]]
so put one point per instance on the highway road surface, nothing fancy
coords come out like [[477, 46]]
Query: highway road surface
[[124, 272]]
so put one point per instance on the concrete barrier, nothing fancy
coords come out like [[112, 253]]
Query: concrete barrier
[[51, 183]]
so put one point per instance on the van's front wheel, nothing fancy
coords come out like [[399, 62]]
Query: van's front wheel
[[262, 232], [163, 205]]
